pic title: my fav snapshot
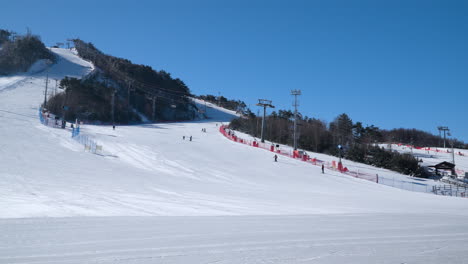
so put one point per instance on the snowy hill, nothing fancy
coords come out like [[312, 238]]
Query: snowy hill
[[214, 112], [432, 155], [150, 170]]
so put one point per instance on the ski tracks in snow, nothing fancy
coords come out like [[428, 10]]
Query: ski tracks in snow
[[234, 239]]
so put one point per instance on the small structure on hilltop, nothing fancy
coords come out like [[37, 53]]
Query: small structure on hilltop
[[444, 166]]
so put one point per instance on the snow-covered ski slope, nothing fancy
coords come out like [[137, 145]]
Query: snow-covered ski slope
[[432, 155], [200, 201], [354, 169], [150, 170], [215, 113]]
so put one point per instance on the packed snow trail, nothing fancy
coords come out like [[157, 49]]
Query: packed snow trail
[[208, 200], [362, 238]]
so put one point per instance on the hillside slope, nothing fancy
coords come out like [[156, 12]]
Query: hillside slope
[[209, 200], [151, 170]]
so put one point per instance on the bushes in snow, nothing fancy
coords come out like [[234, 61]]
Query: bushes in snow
[[144, 83], [88, 100]]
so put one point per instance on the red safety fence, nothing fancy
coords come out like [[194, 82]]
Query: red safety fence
[[437, 150], [297, 155]]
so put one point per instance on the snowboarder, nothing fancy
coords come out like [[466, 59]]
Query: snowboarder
[[190, 138], [113, 127], [323, 168], [276, 158], [183, 137]]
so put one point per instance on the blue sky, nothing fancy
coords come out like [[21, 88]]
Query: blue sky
[[388, 63]]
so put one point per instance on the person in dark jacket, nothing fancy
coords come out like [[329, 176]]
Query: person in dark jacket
[[323, 168], [276, 158]]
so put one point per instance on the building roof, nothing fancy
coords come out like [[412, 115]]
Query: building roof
[[444, 166]]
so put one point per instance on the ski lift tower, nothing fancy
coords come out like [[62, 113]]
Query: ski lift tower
[[264, 103], [445, 129]]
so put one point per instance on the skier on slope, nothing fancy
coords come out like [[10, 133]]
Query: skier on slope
[[323, 168], [276, 158], [190, 138]]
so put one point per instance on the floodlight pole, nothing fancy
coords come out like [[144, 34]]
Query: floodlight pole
[[45, 93], [129, 89], [444, 138], [339, 149], [453, 148], [264, 103], [154, 108], [295, 93], [453, 153], [113, 110]]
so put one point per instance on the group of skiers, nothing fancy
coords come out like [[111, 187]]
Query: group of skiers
[[190, 138], [276, 160]]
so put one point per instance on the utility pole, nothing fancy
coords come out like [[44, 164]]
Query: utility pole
[[64, 109], [339, 150], [154, 108], [295, 93], [152, 98], [45, 93], [113, 92], [445, 129], [256, 128], [56, 85], [113, 105], [264, 103], [129, 89]]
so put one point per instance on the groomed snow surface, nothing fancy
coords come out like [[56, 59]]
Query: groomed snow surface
[[152, 197]]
